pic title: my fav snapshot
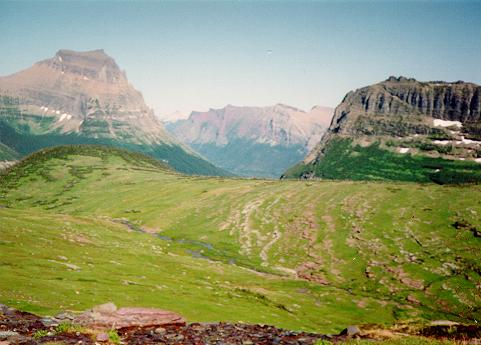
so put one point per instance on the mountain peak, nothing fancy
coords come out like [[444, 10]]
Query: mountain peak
[[93, 64]]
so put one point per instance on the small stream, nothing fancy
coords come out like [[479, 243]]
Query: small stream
[[194, 253]]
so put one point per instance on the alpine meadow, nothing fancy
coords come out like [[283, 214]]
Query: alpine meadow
[[298, 173]]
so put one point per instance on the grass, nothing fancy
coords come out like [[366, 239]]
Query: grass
[[343, 160], [83, 226]]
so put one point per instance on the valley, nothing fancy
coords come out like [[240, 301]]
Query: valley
[[253, 141], [82, 225]]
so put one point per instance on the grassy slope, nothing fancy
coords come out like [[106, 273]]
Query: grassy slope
[[70, 210], [342, 160]]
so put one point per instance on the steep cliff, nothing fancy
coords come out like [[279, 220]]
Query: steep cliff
[[437, 120]]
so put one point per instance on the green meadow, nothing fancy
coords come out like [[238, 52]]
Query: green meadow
[[84, 225]]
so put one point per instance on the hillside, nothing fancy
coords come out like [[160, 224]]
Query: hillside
[[401, 129], [84, 98], [77, 223], [253, 141]]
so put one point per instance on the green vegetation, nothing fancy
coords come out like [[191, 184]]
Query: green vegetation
[[80, 226], [114, 336], [344, 161], [40, 334]]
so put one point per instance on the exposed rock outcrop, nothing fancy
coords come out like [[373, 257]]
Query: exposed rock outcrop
[[403, 106], [107, 316]]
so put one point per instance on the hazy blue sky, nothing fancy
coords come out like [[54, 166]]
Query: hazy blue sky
[[196, 55]]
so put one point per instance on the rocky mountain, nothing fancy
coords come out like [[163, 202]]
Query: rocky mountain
[[253, 141], [418, 130], [84, 97]]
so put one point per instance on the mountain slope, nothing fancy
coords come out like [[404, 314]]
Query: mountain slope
[[253, 141], [78, 222], [402, 129], [84, 97]]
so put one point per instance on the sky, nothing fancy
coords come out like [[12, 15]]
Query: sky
[[186, 56]]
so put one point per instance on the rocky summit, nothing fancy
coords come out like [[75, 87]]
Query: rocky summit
[[253, 141], [84, 98], [85, 93], [402, 116]]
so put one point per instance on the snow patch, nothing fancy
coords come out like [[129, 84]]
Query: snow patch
[[467, 141], [442, 142], [462, 159], [65, 116], [403, 149], [445, 123]]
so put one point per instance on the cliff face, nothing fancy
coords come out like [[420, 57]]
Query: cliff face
[[401, 107], [275, 125], [401, 129], [87, 93], [254, 141]]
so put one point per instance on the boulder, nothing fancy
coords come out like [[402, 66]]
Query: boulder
[[351, 331], [102, 337], [443, 323], [107, 316], [106, 308]]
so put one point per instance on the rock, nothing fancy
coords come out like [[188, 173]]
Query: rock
[[102, 337], [351, 331], [64, 316], [443, 323], [106, 308], [49, 322], [8, 334], [412, 299], [105, 317], [160, 330]]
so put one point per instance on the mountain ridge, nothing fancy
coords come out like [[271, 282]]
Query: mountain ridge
[[84, 97], [440, 121], [253, 140]]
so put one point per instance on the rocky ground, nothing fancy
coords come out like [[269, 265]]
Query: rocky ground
[[153, 326]]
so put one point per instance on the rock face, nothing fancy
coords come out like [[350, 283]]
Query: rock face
[[88, 99], [402, 107], [253, 141], [107, 316], [86, 93], [430, 119]]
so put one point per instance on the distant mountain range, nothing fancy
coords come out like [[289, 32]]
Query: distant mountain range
[[401, 129], [84, 97], [253, 141]]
